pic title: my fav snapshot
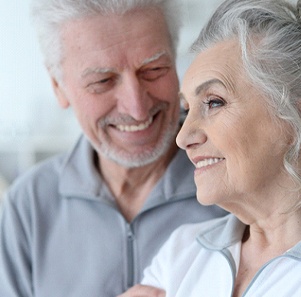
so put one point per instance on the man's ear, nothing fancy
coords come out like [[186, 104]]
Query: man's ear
[[60, 94]]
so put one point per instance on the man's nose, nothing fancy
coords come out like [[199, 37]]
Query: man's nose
[[133, 98]]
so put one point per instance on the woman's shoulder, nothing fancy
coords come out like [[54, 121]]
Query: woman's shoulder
[[177, 254], [184, 239], [189, 232]]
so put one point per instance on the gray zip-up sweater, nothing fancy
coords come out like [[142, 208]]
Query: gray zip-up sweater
[[62, 235]]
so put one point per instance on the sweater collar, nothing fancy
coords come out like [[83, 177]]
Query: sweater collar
[[222, 233], [80, 178]]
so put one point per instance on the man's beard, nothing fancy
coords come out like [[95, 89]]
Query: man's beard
[[132, 160]]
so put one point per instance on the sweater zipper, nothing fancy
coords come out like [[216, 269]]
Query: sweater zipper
[[228, 256], [130, 256]]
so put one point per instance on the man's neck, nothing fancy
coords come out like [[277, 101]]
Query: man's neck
[[131, 186]]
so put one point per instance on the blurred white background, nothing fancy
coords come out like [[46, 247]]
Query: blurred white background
[[32, 125]]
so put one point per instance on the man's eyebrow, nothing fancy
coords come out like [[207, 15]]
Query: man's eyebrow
[[207, 84], [89, 71], [155, 57]]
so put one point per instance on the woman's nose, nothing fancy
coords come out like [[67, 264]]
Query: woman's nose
[[191, 133]]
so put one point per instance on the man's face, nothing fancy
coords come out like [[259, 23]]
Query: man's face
[[119, 77]]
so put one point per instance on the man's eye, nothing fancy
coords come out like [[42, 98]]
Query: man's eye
[[103, 81], [100, 82], [214, 103], [153, 73], [101, 85]]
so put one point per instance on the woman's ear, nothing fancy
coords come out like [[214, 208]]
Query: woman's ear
[[60, 94]]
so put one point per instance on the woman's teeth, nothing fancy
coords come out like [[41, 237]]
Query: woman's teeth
[[207, 162]]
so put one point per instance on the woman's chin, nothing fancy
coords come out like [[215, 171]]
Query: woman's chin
[[205, 200]]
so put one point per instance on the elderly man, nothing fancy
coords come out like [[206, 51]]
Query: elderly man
[[88, 222]]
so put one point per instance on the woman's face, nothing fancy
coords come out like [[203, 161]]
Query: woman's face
[[228, 134]]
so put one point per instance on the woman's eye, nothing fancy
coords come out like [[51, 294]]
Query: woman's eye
[[214, 103]]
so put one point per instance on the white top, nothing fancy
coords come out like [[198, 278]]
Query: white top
[[201, 260]]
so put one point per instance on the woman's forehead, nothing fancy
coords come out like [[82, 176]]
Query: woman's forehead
[[221, 64]]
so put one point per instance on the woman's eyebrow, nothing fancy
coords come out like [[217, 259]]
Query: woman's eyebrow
[[207, 84]]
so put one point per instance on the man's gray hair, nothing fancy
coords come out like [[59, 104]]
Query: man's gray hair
[[49, 15], [269, 33]]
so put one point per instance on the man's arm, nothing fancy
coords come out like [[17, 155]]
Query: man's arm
[[15, 268]]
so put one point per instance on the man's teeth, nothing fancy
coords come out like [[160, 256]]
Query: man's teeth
[[207, 162], [134, 128]]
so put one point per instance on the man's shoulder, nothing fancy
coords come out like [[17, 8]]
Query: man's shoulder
[[43, 174], [47, 169], [41, 178]]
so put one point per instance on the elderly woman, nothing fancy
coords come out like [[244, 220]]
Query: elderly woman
[[242, 94]]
